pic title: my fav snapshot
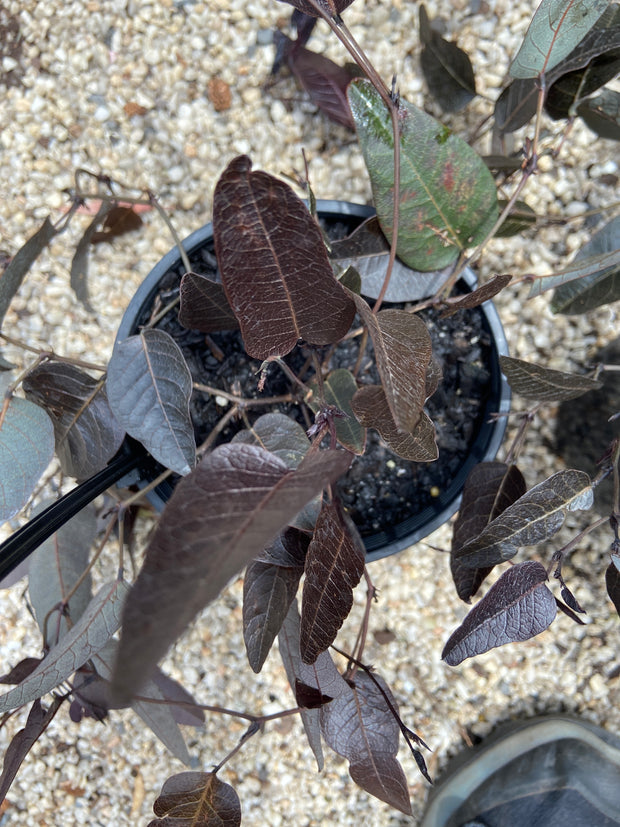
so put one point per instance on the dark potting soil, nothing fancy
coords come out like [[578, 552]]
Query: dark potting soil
[[380, 489]]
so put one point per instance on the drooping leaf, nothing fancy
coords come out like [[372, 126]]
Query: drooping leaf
[[567, 93], [23, 741], [403, 352], [160, 718], [599, 282], [149, 386], [21, 262], [447, 69], [334, 567], [516, 105], [21, 671], [544, 384], [268, 591], [339, 388], [360, 726], [120, 219], [330, 7], [220, 516], [274, 264], [481, 294], [79, 263], [55, 568], [289, 549], [26, 449], [368, 251], [372, 410], [321, 675], [521, 218], [278, 434], [517, 607], [86, 432], [204, 305], [532, 519], [612, 583], [448, 200], [90, 634], [196, 799], [602, 114], [325, 82], [556, 28], [489, 489]]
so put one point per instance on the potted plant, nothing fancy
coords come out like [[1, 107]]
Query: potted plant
[[269, 497]]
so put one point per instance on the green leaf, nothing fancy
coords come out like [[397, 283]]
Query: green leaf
[[556, 28], [339, 388], [448, 200], [26, 449]]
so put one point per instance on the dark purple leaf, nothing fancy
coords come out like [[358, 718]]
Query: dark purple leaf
[[334, 567], [447, 69], [149, 387], [274, 264], [571, 601], [602, 114], [220, 516], [289, 549], [489, 489], [304, 25], [568, 612], [79, 263], [372, 410], [544, 384], [196, 799], [308, 697], [321, 675], [85, 431], [182, 705], [21, 262], [56, 566], [368, 251], [403, 352], [517, 607], [612, 583], [571, 89], [20, 671], [268, 591], [204, 305], [360, 726], [517, 104], [329, 7], [23, 741], [482, 294], [325, 82], [532, 519]]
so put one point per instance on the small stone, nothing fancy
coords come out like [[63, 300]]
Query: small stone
[[132, 108], [218, 92]]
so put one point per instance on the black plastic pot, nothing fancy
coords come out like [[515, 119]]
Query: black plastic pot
[[487, 440]]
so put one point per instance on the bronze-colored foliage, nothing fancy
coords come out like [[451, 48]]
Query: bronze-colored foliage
[[334, 567], [196, 799], [544, 384], [204, 305], [274, 265]]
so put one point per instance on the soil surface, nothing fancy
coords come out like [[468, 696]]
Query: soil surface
[[380, 489]]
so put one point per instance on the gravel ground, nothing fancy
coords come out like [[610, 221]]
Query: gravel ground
[[126, 87]]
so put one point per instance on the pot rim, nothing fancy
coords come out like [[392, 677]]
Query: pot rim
[[485, 446]]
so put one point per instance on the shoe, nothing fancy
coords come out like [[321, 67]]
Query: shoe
[[551, 771]]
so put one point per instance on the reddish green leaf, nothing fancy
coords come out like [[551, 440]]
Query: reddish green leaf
[[220, 516], [448, 200], [517, 607], [334, 567], [86, 433], [339, 388], [274, 264], [360, 726], [196, 799], [556, 28]]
